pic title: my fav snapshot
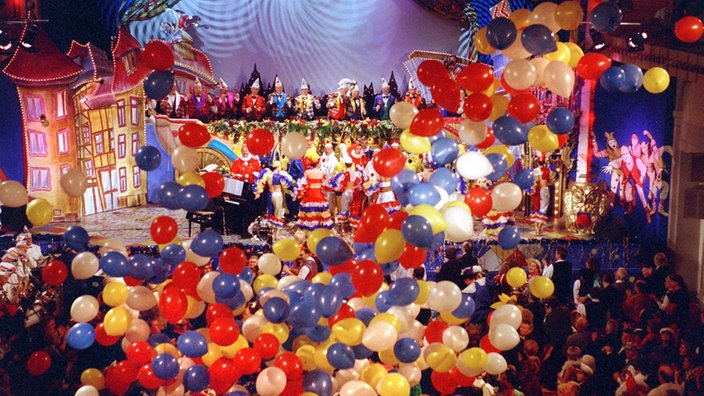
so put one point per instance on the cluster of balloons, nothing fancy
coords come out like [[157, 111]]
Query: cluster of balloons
[[158, 56]]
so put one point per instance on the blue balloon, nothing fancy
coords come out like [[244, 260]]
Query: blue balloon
[[192, 198], [162, 271], [633, 78], [192, 344], [423, 193], [438, 241], [76, 238], [226, 285], [275, 310], [158, 338], [333, 250], [613, 78], [319, 382], [196, 378], [466, 308], [500, 165], [207, 243], [359, 247], [445, 179], [167, 195], [368, 254], [141, 266], [165, 366], [389, 267], [382, 302], [80, 336], [246, 275], [318, 333], [303, 315], [510, 131], [343, 283], [525, 179], [606, 17], [340, 356], [405, 179], [501, 32], [329, 301], [362, 352], [158, 84], [233, 302], [114, 264], [173, 254], [444, 150], [365, 315], [560, 120], [417, 231], [407, 350], [403, 291], [509, 237], [148, 158], [538, 39]]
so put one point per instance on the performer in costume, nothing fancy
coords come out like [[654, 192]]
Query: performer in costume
[[328, 163], [337, 101], [246, 168], [313, 211], [16, 267], [348, 182], [541, 194], [612, 152], [296, 169], [355, 105], [384, 101], [173, 105], [279, 102], [227, 103], [386, 197], [306, 104], [254, 105], [364, 146], [412, 96], [634, 171], [277, 181], [199, 103]]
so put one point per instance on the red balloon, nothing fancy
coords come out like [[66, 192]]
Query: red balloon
[[562, 139], [102, 338], [389, 162], [38, 363], [476, 77], [479, 201], [266, 345], [511, 90], [430, 71], [132, 281], [689, 29], [186, 276], [375, 219], [443, 382], [119, 377], [344, 312], [214, 184], [525, 107], [434, 330], [488, 140], [147, 378], [487, 346], [293, 388], [477, 107], [54, 273], [412, 256], [260, 141], [193, 134], [461, 379], [446, 94], [217, 310], [163, 229], [173, 303], [592, 65], [232, 260], [157, 55], [139, 353], [396, 220], [247, 360], [584, 220], [290, 364], [348, 266], [224, 331], [368, 277], [428, 122], [223, 374]]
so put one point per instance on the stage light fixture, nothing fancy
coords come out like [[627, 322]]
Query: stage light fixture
[[29, 36], [636, 41], [598, 42], [5, 41]]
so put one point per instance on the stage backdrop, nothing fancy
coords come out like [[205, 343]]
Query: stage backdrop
[[321, 41], [632, 154]]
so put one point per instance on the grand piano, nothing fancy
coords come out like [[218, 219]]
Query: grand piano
[[236, 207]]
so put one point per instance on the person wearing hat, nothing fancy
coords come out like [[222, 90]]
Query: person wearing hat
[[337, 101], [253, 104], [481, 291], [173, 105], [199, 103], [306, 104], [246, 168], [16, 267], [356, 108], [328, 162], [277, 182], [414, 97], [541, 195], [314, 208], [279, 103], [347, 183], [227, 103], [384, 101]]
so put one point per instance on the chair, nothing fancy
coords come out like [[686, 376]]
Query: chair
[[204, 218]]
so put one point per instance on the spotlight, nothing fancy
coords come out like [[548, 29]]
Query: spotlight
[[598, 42], [29, 36], [636, 41]]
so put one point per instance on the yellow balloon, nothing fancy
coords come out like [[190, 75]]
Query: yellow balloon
[[194, 308], [502, 150], [320, 357], [93, 377], [516, 50], [264, 280], [214, 353], [306, 354], [372, 374], [562, 54], [436, 219], [394, 384], [576, 54], [287, 249], [278, 330], [493, 88], [388, 358], [349, 331], [300, 341], [451, 204], [414, 144], [175, 241], [655, 81], [322, 277], [315, 236], [388, 318], [569, 15], [40, 212], [165, 347], [520, 18], [542, 139], [190, 178], [516, 277], [423, 292], [481, 42], [500, 106], [117, 321], [451, 319], [541, 287], [229, 351], [440, 357], [115, 293], [474, 358], [389, 246]]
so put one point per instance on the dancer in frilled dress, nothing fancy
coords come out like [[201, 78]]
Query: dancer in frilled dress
[[348, 182], [541, 196], [386, 197], [313, 211], [277, 181]]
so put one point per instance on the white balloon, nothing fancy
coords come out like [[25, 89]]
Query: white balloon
[[84, 265], [357, 388], [185, 159], [85, 308], [456, 338], [252, 327], [539, 63], [205, 287], [271, 381], [246, 290], [519, 74], [264, 297], [559, 78], [287, 280], [460, 225], [379, 336], [140, 298], [139, 330], [357, 303], [544, 14], [13, 194], [87, 390], [411, 372], [346, 375], [270, 264], [174, 389], [445, 297], [504, 337], [472, 132], [416, 331], [473, 165], [294, 145], [404, 317], [496, 364], [506, 196], [507, 314], [402, 113]]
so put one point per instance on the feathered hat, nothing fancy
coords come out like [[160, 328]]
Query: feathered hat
[[222, 84], [197, 82], [277, 82], [304, 84], [411, 84], [384, 84], [255, 84]]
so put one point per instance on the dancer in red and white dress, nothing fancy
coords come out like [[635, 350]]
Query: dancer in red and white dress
[[348, 183], [386, 197], [314, 211]]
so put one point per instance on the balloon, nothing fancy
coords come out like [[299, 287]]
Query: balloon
[[196, 378], [271, 382], [538, 40], [185, 159], [473, 165], [315, 236], [389, 246], [519, 74], [612, 79], [158, 84], [115, 293], [460, 226], [503, 336], [165, 366], [379, 336], [456, 338], [477, 107], [481, 42], [13, 194], [287, 249], [193, 134], [260, 141], [163, 229], [689, 29], [541, 287], [569, 15], [427, 122], [430, 213], [168, 194], [157, 55], [446, 297], [84, 265], [368, 277], [525, 107], [80, 336], [402, 113], [76, 238], [444, 151], [592, 65], [541, 139], [54, 273], [207, 243], [414, 144], [506, 197], [318, 382], [559, 120], [516, 51], [117, 320], [430, 71], [476, 77], [632, 78], [423, 193], [510, 131], [559, 78], [73, 182], [446, 94], [275, 310], [576, 54], [93, 377], [544, 14], [232, 260], [271, 264], [40, 212], [479, 201], [471, 132], [38, 363], [388, 162], [655, 81], [192, 198], [498, 162], [606, 17], [501, 32], [340, 356], [333, 250], [192, 344], [496, 363], [524, 178], [294, 145], [290, 364], [148, 158], [393, 384], [172, 303]]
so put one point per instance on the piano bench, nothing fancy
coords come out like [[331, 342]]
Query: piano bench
[[204, 218]]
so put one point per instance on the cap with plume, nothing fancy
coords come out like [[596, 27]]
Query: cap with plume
[[304, 84], [384, 84], [255, 84], [222, 84], [411, 84], [277, 82], [344, 83], [197, 82]]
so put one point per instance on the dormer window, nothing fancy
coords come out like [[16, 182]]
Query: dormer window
[[129, 60]]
